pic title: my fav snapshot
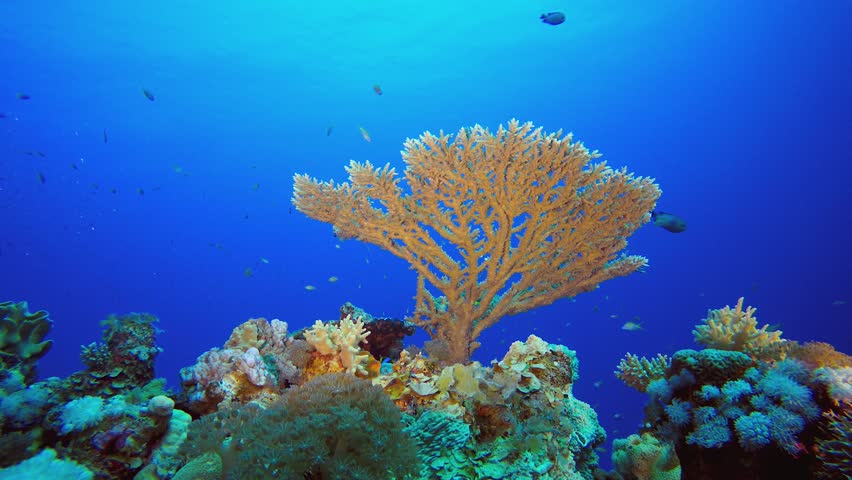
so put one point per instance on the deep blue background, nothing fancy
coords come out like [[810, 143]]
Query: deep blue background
[[740, 110]]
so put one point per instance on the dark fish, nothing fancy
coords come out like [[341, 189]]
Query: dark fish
[[553, 18], [22, 96], [113, 190], [670, 222], [105, 136], [329, 130], [140, 191], [377, 89], [74, 166], [40, 153], [41, 178], [148, 94], [2, 115]]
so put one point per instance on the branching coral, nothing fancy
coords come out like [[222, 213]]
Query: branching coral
[[735, 329], [637, 372], [498, 223], [341, 340]]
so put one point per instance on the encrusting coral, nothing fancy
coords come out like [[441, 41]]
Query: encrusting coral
[[498, 223]]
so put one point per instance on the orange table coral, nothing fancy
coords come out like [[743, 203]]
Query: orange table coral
[[494, 224]]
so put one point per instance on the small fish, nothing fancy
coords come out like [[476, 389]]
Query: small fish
[[670, 222], [2, 115], [614, 315], [248, 272], [148, 94], [364, 134], [113, 190], [74, 166], [263, 260], [256, 187], [177, 168], [310, 288], [838, 302], [775, 327], [140, 191], [553, 18], [22, 96], [631, 326], [597, 383], [40, 153], [377, 89], [105, 136], [41, 178], [332, 279], [329, 130], [617, 416]]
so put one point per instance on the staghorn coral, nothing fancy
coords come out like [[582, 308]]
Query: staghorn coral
[[498, 223], [735, 329], [637, 372]]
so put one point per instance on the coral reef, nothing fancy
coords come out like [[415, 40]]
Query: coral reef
[[255, 363], [498, 223], [517, 418], [106, 422], [748, 407], [124, 361]]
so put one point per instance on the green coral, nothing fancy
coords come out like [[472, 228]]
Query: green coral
[[335, 426], [22, 335]]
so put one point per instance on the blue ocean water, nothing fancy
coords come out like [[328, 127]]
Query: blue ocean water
[[112, 203]]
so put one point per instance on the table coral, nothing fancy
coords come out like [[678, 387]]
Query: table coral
[[496, 223]]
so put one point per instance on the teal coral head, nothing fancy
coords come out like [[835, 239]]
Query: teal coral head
[[22, 334]]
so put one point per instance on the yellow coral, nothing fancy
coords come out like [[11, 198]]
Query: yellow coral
[[735, 329], [342, 341], [498, 223], [637, 372]]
